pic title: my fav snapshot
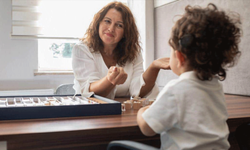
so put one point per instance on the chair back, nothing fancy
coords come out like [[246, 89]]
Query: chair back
[[65, 89], [242, 134], [128, 145]]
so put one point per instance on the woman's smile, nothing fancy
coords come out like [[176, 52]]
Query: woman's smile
[[109, 34]]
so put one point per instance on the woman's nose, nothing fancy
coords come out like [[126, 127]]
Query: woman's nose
[[111, 28]]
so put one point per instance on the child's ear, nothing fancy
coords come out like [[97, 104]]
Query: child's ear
[[180, 58]]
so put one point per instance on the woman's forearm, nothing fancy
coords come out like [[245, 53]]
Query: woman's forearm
[[149, 76], [102, 87]]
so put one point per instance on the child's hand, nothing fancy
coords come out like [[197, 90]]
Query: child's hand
[[116, 75], [162, 63]]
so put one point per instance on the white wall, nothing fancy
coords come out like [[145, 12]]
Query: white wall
[[158, 3], [237, 80], [19, 59], [143, 11]]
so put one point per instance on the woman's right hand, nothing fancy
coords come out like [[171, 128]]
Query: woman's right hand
[[116, 75]]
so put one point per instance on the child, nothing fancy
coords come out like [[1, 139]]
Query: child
[[190, 112]]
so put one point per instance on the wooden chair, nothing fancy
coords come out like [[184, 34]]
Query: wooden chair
[[242, 134]]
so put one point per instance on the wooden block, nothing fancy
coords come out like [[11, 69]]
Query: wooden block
[[141, 102], [46, 103], [128, 105], [151, 102], [129, 101], [51, 102], [134, 100], [144, 101], [136, 105]]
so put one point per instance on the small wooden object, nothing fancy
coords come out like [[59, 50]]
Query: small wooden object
[[128, 105], [97, 100], [46, 103], [151, 102], [144, 102], [134, 100], [136, 105]]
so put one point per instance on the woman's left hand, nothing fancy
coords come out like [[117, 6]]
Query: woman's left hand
[[162, 63]]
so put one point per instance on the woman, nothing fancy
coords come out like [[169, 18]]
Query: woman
[[108, 60]]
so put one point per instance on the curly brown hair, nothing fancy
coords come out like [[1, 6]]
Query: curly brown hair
[[128, 47], [209, 39]]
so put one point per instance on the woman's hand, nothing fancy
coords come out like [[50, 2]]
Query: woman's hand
[[116, 75], [162, 63], [151, 74]]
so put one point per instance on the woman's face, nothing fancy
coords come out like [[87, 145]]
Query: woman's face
[[111, 28]]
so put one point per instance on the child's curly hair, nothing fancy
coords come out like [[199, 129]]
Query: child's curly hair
[[209, 39]]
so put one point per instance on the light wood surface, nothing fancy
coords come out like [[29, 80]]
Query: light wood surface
[[96, 132]]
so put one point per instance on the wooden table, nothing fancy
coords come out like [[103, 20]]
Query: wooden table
[[96, 132]]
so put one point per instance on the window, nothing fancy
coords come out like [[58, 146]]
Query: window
[[56, 24], [55, 54]]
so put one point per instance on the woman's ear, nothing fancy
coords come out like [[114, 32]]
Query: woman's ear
[[180, 59]]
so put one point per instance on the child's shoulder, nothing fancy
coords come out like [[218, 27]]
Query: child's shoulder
[[179, 85], [175, 83], [191, 85]]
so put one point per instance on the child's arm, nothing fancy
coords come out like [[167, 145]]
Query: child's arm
[[145, 128]]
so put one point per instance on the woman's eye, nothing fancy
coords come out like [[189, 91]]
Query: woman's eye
[[107, 21], [120, 26]]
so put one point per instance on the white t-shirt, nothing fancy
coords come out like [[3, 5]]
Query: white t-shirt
[[89, 66], [190, 114]]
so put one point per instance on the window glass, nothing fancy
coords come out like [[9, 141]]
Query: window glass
[[55, 54]]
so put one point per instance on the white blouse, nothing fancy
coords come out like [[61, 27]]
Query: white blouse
[[89, 66]]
